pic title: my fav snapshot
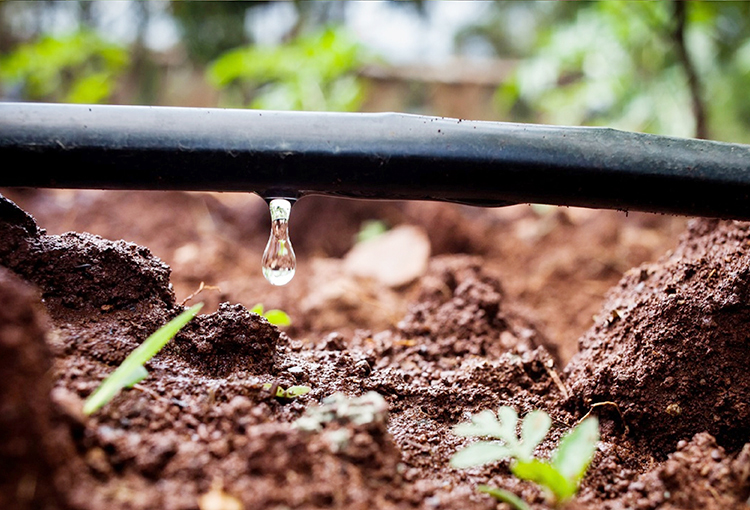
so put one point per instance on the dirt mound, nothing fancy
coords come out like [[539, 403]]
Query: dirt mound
[[81, 271], [461, 310], [670, 347], [32, 440], [228, 340]]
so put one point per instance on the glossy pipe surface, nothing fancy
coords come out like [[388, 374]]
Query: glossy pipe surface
[[368, 155]]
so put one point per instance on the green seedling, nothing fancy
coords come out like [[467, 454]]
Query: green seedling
[[275, 317], [559, 477], [131, 371], [371, 229], [291, 392]]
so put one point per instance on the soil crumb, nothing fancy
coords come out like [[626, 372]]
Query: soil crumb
[[462, 309]]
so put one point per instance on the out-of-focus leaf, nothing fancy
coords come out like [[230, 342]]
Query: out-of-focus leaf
[[576, 450], [311, 72], [545, 475], [482, 424], [278, 317], [79, 67], [481, 452], [533, 429]]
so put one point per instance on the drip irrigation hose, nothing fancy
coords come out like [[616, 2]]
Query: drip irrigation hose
[[368, 155]]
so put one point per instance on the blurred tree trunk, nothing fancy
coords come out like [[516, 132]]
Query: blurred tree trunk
[[211, 28], [694, 84]]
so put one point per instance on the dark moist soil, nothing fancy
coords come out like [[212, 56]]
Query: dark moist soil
[[494, 320]]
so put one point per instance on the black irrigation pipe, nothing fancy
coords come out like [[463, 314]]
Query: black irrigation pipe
[[362, 155]]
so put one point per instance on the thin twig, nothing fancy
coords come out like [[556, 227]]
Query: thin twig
[[608, 403], [201, 288], [558, 382]]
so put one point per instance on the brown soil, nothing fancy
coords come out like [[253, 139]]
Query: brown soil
[[493, 322]]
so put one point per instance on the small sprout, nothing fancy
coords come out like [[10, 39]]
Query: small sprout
[[131, 371], [275, 317], [371, 229], [559, 477], [291, 392]]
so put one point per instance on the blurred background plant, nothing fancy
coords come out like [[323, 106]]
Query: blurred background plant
[[80, 67], [315, 71], [675, 68]]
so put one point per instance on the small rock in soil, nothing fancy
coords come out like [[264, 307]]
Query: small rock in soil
[[394, 259]]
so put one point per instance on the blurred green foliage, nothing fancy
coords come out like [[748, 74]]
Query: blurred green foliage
[[618, 64], [77, 68], [315, 71], [610, 63]]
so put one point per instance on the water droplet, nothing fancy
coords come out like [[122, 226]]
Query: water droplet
[[279, 261]]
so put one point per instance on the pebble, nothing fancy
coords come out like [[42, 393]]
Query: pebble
[[393, 259], [363, 368], [334, 342]]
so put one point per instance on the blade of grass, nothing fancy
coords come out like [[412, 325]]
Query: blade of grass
[[504, 496], [144, 352], [134, 377]]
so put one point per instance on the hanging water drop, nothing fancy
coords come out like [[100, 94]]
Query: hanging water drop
[[279, 261]]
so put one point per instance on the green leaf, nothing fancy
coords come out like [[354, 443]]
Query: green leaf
[[292, 392], [275, 317], [314, 71], [296, 391], [370, 229], [508, 421], [533, 429], [134, 377], [482, 424], [545, 475], [504, 496], [278, 318], [144, 352], [481, 452], [576, 450], [93, 88]]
